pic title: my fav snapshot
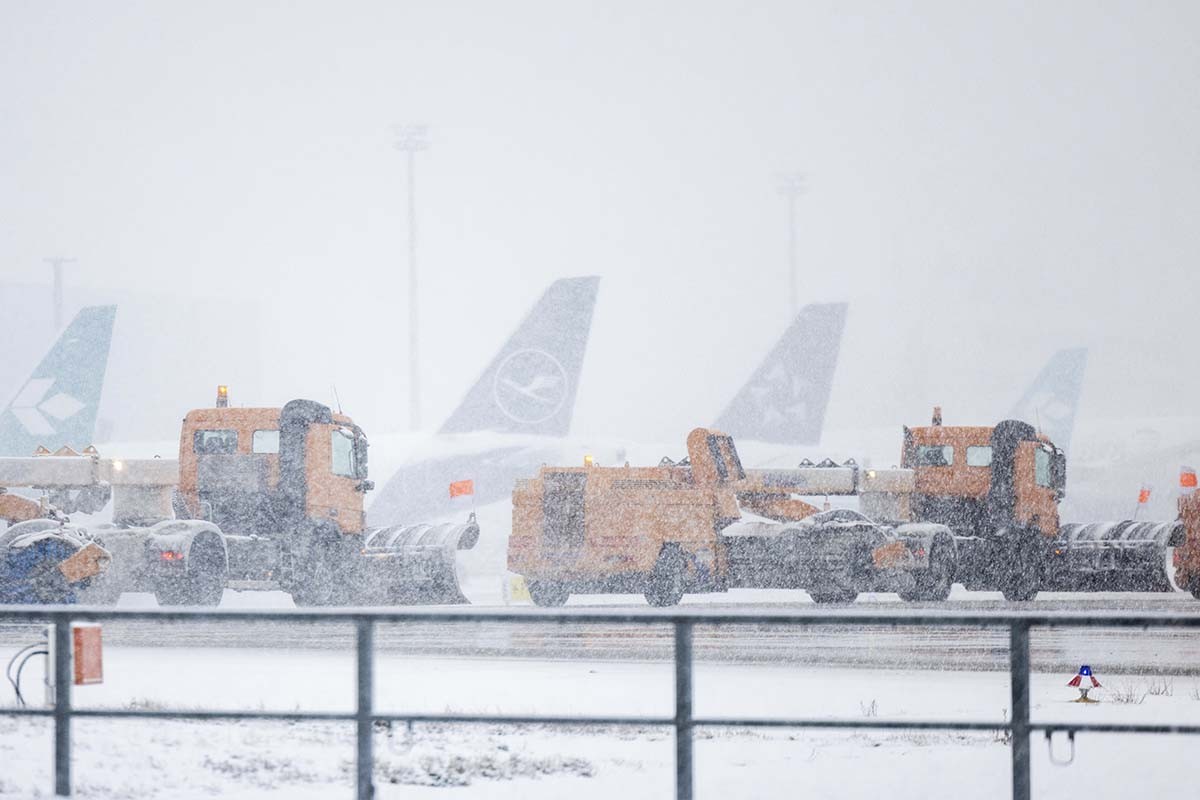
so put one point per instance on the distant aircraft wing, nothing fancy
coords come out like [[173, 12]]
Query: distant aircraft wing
[[1051, 401], [530, 385], [57, 404], [785, 399]]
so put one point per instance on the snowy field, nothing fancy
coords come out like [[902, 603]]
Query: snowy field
[[178, 759]]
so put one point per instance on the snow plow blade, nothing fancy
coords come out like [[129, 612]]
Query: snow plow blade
[[1130, 556], [417, 564]]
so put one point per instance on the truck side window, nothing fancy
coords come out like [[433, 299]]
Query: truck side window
[[733, 458], [221, 442], [935, 455], [714, 449], [265, 442], [979, 456], [360, 456], [343, 454], [1041, 467]]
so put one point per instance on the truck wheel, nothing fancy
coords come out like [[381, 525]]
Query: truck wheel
[[668, 579], [327, 582], [1023, 578], [204, 582], [324, 573], [833, 594], [934, 582], [548, 594], [309, 596], [1016, 592]]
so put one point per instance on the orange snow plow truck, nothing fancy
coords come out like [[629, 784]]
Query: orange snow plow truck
[[998, 488], [675, 528], [260, 498]]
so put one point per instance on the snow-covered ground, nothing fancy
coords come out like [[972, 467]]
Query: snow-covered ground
[[179, 759]]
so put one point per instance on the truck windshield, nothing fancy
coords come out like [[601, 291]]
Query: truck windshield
[[343, 454], [1041, 467], [935, 455], [725, 457], [220, 442]]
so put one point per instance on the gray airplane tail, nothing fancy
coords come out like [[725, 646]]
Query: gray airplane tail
[[530, 385], [784, 401], [1051, 400], [57, 405]]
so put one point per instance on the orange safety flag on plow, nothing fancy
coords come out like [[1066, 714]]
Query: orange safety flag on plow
[[1144, 496], [1187, 478], [460, 488]]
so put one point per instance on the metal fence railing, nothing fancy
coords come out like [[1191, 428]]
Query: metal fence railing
[[683, 720]]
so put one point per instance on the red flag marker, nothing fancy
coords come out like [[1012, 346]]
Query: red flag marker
[[460, 488], [1187, 478]]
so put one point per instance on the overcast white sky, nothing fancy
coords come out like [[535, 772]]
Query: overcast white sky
[[987, 182]]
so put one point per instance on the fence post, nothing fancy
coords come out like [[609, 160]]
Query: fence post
[[683, 710], [1019, 683], [62, 705], [366, 708]]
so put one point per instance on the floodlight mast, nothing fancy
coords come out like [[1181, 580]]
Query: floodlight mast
[[791, 186], [411, 139]]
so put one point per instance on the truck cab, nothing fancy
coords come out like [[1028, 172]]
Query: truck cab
[[979, 477], [998, 489], [260, 470]]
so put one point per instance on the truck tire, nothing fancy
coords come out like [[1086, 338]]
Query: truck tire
[[548, 594], [323, 573], [1022, 576], [934, 582], [204, 582], [326, 581], [668, 580], [833, 594]]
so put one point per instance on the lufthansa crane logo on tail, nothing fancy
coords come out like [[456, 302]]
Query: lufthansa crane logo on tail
[[34, 410], [530, 386], [1048, 406], [780, 396]]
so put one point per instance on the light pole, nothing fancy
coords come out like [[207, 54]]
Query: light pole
[[791, 186], [57, 264], [411, 139]]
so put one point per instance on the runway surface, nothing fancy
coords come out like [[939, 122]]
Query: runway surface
[[1154, 651]]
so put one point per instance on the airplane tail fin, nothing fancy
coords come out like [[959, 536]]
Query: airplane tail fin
[[530, 385], [784, 401], [1051, 400], [57, 405]]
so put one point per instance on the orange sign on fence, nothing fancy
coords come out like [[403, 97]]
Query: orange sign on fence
[[89, 653]]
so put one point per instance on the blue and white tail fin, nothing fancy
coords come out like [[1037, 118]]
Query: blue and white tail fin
[[1051, 400], [57, 405], [530, 385], [784, 401]]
